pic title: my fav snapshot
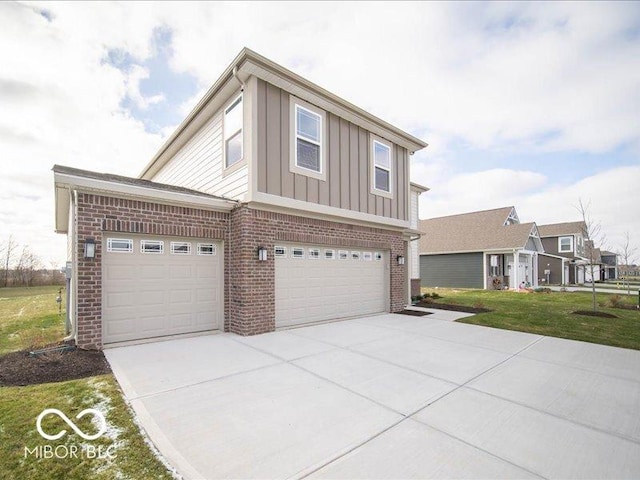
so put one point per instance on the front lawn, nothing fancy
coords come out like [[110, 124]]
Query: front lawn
[[550, 314], [128, 457]]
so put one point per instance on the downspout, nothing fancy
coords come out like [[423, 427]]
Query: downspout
[[235, 75], [71, 276]]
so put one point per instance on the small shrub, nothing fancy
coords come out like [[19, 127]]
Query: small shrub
[[615, 301], [427, 300], [435, 296]]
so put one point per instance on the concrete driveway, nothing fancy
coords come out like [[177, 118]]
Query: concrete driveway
[[387, 396]]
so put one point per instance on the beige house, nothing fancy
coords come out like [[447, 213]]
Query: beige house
[[488, 249], [275, 203]]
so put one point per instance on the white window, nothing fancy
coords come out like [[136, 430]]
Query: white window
[[152, 246], [329, 254], [378, 256], [280, 252], [565, 244], [307, 143], [355, 255], [314, 253], [206, 249], [368, 256], [343, 254], [120, 245], [233, 132], [180, 248], [297, 252], [381, 180]]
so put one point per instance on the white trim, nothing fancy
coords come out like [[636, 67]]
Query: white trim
[[268, 201], [158, 243], [232, 103], [378, 256], [297, 252], [282, 254], [206, 245], [373, 139], [355, 255], [314, 253], [367, 256], [296, 104], [110, 248], [571, 244], [331, 252], [343, 255], [174, 245]]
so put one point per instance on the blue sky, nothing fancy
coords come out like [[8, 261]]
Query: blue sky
[[527, 104]]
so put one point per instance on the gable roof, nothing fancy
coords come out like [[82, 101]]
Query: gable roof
[[248, 63], [474, 232], [557, 229]]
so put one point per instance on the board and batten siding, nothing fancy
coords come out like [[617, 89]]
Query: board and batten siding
[[458, 270], [347, 162], [199, 165]]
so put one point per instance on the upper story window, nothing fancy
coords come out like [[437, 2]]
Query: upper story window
[[307, 140], [565, 244], [381, 171], [233, 132]]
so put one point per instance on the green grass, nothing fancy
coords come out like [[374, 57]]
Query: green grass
[[20, 407], [550, 314], [29, 318]]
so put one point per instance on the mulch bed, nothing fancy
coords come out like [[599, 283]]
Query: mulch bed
[[591, 313], [455, 308], [414, 313], [20, 368]]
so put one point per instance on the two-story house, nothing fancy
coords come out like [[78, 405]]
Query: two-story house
[[275, 203], [609, 265], [564, 258]]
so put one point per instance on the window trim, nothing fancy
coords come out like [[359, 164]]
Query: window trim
[[372, 166], [110, 248], [175, 244], [378, 256], [279, 255], [227, 169], [299, 250], [145, 241], [355, 255], [331, 252], [294, 103], [367, 256], [571, 245], [212, 245], [343, 255], [314, 253]]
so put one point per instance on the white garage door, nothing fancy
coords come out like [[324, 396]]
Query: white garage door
[[157, 286], [322, 283]]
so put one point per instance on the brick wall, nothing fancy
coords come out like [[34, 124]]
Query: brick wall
[[252, 306], [97, 214]]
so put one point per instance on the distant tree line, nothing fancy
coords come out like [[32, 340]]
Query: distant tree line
[[20, 267]]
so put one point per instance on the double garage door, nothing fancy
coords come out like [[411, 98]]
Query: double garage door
[[317, 283], [158, 286]]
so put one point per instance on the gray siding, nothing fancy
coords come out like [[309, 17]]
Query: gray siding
[[461, 270], [549, 263], [347, 162], [531, 245]]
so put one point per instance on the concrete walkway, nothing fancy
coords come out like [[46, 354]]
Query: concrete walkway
[[389, 396]]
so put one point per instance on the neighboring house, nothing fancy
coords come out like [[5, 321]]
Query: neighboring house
[[609, 265], [488, 249], [563, 241], [628, 271], [275, 203], [593, 268], [414, 247]]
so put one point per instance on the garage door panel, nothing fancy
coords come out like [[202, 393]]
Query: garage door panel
[[309, 290], [148, 295]]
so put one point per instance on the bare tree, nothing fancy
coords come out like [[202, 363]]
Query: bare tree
[[27, 267], [592, 233], [8, 252], [627, 253]]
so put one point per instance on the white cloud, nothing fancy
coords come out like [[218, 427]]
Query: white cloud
[[135, 75]]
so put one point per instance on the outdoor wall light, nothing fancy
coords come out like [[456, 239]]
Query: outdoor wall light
[[89, 248], [262, 254], [400, 259]]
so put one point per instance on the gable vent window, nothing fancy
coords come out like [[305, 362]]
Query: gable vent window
[[180, 248], [119, 245], [206, 249], [297, 252], [279, 252], [152, 246], [382, 166], [233, 132]]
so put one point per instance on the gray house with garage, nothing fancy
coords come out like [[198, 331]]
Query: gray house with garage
[[275, 203], [565, 256], [488, 249]]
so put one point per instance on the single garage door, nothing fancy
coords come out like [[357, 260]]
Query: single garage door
[[157, 286], [316, 283]]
